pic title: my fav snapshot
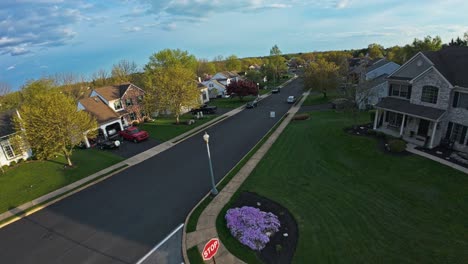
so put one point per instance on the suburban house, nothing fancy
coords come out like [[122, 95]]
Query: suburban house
[[8, 151], [427, 100], [226, 77], [204, 93], [215, 88], [124, 99], [108, 120], [374, 82]]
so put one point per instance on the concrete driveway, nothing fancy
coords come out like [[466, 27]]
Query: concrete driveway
[[120, 219]]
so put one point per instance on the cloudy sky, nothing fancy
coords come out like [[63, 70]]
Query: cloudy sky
[[44, 37]]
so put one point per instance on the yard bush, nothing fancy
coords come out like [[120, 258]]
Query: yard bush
[[397, 145], [380, 134], [301, 117], [371, 132], [135, 123]]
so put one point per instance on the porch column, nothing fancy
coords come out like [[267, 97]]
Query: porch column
[[431, 144], [376, 119], [402, 125]]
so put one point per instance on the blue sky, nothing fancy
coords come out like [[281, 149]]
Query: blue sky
[[45, 37]]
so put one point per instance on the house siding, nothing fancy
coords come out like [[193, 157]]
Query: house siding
[[431, 78]]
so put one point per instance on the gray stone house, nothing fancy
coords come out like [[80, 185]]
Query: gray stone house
[[427, 100]]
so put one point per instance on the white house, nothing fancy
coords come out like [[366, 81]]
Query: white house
[[8, 151], [215, 88], [204, 93], [226, 77]]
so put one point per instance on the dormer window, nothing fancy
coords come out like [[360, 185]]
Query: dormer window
[[429, 94], [118, 105]]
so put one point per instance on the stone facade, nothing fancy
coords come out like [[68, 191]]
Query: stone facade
[[132, 102], [432, 78]]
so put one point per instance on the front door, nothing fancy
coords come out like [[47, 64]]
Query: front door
[[423, 127]]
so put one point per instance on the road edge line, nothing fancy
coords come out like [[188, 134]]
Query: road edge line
[[160, 244]]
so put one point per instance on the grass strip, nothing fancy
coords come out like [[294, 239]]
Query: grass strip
[[194, 256]]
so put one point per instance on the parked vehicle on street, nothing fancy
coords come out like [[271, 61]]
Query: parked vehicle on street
[[291, 99], [276, 90], [205, 109], [251, 104], [134, 134]]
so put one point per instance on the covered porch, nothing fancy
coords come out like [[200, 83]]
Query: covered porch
[[420, 125]]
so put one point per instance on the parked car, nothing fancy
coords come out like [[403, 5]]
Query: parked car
[[205, 109], [276, 90], [251, 104], [103, 143], [134, 134], [291, 99]]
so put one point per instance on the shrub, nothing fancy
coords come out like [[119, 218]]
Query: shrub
[[13, 163], [135, 123], [371, 132], [372, 114], [5, 167], [146, 119], [380, 134], [397, 145], [251, 226], [301, 117]]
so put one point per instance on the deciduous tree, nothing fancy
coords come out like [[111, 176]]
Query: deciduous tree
[[276, 62], [51, 123], [122, 71], [242, 88], [322, 76], [233, 63]]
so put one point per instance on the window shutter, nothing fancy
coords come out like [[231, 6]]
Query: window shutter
[[455, 99], [390, 90], [449, 130], [463, 134], [409, 92]]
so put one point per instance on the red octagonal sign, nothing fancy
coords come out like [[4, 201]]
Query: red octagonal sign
[[210, 249]]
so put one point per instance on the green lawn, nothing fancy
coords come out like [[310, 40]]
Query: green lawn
[[231, 102], [30, 180], [164, 128], [316, 99], [356, 204]]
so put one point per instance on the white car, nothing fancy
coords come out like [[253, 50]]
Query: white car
[[291, 99]]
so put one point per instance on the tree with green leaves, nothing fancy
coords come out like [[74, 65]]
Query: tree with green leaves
[[5, 89], [233, 63], [51, 123], [170, 82], [205, 67], [122, 71], [322, 76], [375, 51], [276, 62]]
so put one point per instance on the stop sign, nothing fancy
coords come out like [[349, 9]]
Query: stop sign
[[210, 249]]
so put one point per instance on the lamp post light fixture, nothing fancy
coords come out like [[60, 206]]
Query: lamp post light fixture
[[214, 191]]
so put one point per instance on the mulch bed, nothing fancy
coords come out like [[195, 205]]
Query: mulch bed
[[443, 153], [287, 245], [363, 130]]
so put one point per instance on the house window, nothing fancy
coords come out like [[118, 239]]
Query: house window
[[400, 90], [129, 101], [429, 94], [132, 116], [140, 98], [204, 96], [210, 85], [394, 119], [460, 100], [9, 150], [458, 133], [118, 105]]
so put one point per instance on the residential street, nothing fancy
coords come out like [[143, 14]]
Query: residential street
[[120, 219]]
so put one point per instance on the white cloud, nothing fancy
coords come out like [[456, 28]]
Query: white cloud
[[132, 29], [342, 4]]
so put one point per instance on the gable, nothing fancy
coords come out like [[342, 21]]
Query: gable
[[412, 68]]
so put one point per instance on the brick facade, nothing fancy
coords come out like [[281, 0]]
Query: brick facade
[[132, 102]]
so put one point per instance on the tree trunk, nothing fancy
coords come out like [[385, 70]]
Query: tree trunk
[[177, 118], [67, 156]]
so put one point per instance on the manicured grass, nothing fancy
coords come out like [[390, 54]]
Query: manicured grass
[[356, 204], [231, 103], [164, 128], [194, 256], [316, 99], [30, 180]]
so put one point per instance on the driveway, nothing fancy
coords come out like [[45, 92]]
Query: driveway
[[120, 219]]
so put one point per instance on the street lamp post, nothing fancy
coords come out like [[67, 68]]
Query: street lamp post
[[214, 191]]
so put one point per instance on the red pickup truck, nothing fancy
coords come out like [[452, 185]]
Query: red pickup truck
[[134, 134]]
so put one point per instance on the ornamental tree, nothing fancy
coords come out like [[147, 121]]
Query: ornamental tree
[[251, 226], [242, 88]]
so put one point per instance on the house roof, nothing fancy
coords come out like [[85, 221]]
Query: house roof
[[96, 107], [452, 63], [229, 74], [405, 107], [6, 123], [381, 62], [378, 81], [113, 92]]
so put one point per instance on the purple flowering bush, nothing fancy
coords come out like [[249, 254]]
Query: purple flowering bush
[[251, 226]]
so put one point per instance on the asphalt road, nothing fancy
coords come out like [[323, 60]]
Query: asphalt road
[[120, 219]]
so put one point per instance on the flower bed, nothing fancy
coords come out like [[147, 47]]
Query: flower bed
[[251, 226]]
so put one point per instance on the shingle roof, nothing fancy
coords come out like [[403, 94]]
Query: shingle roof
[[379, 80], [381, 62], [404, 106], [113, 92], [96, 107], [452, 62], [6, 123]]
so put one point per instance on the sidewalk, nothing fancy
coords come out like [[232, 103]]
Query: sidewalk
[[412, 148], [37, 204], [206, 226]]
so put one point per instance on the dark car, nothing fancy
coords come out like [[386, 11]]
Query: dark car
[[276, 90], [103, 143], [205, 109], [251, 104], [134, 134]]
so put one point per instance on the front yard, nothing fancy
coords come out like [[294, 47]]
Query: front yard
[[163, 128], [231, 103], [356, 204], [30, 180]]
